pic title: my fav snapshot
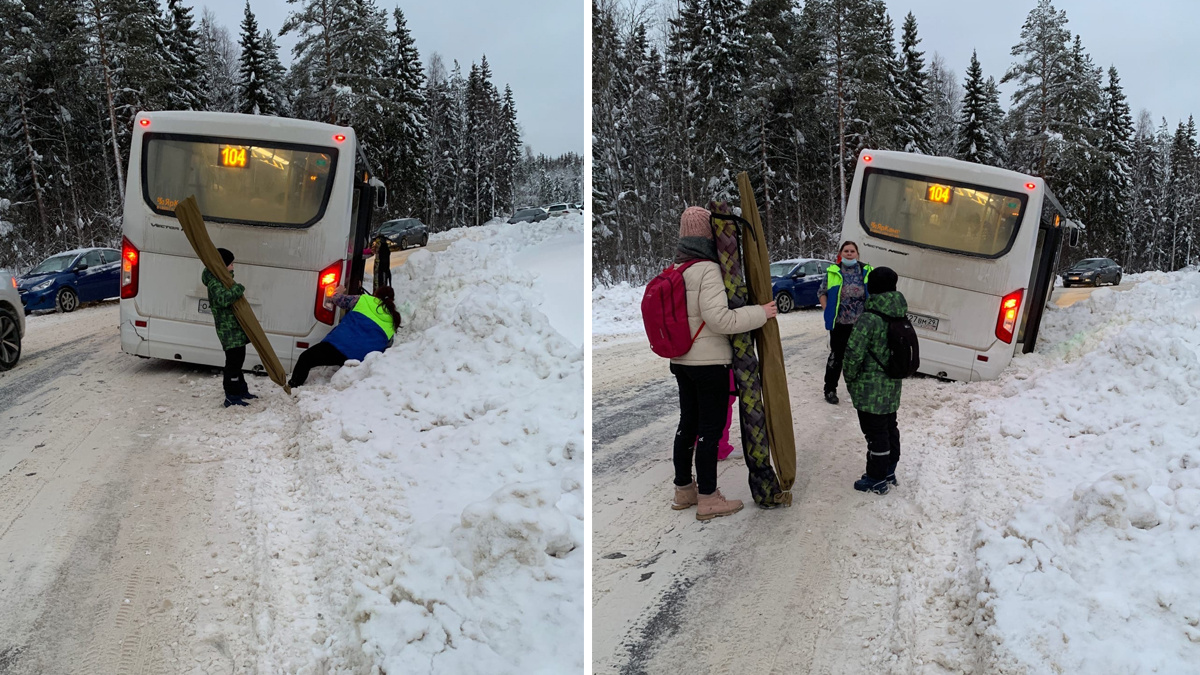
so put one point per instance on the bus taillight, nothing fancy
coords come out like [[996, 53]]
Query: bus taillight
[[1006, 323], [327, 283], [130, 261]]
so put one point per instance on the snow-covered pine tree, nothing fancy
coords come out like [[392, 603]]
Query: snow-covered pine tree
[[1110, 189], [1145, 197], [275, 76], [219, 57], [322, 31], [975, 142], [439, 158], [1041, 73], [714, 50], [945, 105], [183, 44], [252, 69], [1180, 197], [509, 152], [402, 164], [767, 105], [913, 129]]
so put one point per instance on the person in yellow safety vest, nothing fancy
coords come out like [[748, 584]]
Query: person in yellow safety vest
[[368, 327], [843, 295]]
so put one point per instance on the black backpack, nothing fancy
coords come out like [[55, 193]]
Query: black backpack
[[902, 343]]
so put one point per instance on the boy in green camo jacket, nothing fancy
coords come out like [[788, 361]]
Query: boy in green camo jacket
[[229, 331], [876, 396]]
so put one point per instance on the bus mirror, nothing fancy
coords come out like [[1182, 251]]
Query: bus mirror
[[1073, 238], [380, 193]]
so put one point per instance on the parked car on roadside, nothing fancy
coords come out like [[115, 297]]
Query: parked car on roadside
[[530, 215], [12, 322], [794, 282], [404, 232], [65, 280], [1093, 272], [561, 209]]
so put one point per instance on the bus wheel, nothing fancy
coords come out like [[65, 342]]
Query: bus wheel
[[783, 302], [66, 301], [403, 243]]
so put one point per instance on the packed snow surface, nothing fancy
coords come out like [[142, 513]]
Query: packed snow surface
[[1080, 467], [433, 497]]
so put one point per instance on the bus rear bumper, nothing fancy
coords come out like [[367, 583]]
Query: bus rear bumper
[[964, 364], [190, 342]]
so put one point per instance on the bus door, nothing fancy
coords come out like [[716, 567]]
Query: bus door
[[361, 211], [1041, 277]]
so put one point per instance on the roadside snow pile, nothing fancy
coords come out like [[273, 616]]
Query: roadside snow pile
[[1098, 569], [458, 522], [617, 310]]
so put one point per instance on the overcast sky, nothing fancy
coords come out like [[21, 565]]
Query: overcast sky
[[1151, 42], [536, 46]]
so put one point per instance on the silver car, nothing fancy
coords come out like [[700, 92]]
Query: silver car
[[12, 321]]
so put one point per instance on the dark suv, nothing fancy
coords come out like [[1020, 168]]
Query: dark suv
[[1092, 272], [404, 232]]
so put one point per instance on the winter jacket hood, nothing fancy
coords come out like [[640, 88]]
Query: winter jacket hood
[[870, 388]]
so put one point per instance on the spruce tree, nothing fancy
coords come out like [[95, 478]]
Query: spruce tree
[[252, 72], [914, 93], [183, 44], [274, 76], [405, 125], [975, 143], [1113, 177]]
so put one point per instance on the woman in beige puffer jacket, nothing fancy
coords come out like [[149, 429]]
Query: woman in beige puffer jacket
[[703, 372]]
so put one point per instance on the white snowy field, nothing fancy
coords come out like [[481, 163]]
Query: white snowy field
[[1056, 509], [439, 485]]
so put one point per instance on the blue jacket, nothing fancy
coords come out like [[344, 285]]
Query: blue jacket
[[833, 284], [359, 334]]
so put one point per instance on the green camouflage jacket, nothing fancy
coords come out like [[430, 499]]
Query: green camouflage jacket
[[871, 390], [220, 301]]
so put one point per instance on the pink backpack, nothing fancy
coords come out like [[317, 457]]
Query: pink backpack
[[664, 312]]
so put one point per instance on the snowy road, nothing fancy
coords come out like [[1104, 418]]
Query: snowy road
[[106, 547], [145, 529], [842, 582]]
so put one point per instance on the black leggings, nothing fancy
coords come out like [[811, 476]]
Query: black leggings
[[320, 354], [703, 407], [234, 381], [839, 337]]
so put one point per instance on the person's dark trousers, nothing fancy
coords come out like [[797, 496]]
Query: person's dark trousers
[[233, 380], [883, 443], [320, 354], [839, 337], [703, 405]]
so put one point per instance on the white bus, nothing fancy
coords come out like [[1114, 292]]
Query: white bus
[[975, 248], [291, 199]]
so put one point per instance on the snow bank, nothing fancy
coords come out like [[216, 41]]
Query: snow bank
[[1096, 567], [444, 478], [616, 310]]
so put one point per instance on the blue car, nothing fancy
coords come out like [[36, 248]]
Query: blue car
[[64, 280], [794, 282]]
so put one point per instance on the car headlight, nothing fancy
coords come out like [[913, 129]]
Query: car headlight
[[43, 286]]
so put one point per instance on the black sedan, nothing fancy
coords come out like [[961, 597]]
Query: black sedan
[[533, 215], [404, 232], [1092, 272]]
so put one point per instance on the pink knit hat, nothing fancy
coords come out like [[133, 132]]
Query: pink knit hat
[[695, 223]]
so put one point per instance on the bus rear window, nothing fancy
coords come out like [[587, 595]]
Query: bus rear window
[[238, 181], [940, 214]]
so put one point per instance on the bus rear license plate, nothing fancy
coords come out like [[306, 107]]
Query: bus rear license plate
[[923, 322], [204, 309]]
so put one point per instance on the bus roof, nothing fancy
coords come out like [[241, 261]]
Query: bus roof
[[266, 127]]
